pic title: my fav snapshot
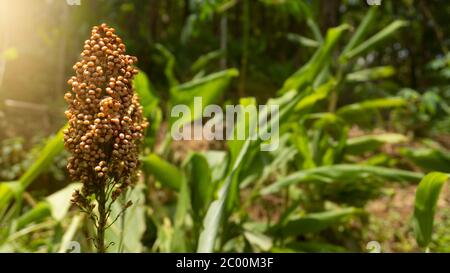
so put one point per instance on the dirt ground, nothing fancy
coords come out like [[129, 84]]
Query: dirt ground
[[390, 219]]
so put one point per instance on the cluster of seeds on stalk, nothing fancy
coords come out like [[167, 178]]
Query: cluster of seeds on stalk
[[104, 114]]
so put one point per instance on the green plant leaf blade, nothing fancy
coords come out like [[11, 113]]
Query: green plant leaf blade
[[383, 34], [146, 92], [169, 69], [209, 88], [366, 143], [126, 232], [52, 148], [314, 222], [427, 195], [200, 183], [341, 172], [371, 74], [168, 174], [310, 247], [430, 159], [60, 201], [357, 108], [205, 59], [307, 73], [361, 31], [41, 211], [216, 210]]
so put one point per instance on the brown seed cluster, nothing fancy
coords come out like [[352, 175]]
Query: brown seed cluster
[[105, 118]]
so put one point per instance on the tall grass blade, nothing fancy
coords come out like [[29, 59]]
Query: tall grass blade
[[427, 195]]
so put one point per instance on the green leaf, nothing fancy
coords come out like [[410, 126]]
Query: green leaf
[[203, 60], [164, 172], [367, 143], [427, 195], [318, 94], [362, 30], [52, 148], [341, 172], [428, 158], [126, 233], [215, 213], [68, 236], [248, 125], [170, 64], [150, 104], [374, 40], [209, 88], [178, 240], [212, 220], [314, 222], [307, 73], [371, 74], [147, 95], [243, 123], [182, 205], [310, 21], [261, 241], [301, 142], [7, 191], [213, 217], [38, 213], [60, 201], [201, 186], [365, 106], [217, 161], [311, 247], [302, 40]]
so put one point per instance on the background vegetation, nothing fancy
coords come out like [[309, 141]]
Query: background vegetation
[[365, 115]]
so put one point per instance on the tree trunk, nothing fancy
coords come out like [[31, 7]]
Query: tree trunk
[[328, 14]]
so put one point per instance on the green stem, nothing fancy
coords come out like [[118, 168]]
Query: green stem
[[164, 148], [102, 220], [122, 222]]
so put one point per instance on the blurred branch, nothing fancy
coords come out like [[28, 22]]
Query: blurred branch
[[26, 105], [226, 6], [245, 42], [223, 40]]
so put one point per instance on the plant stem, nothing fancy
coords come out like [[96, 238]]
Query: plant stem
[[123, 202], [102, 219], [223, 39]]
